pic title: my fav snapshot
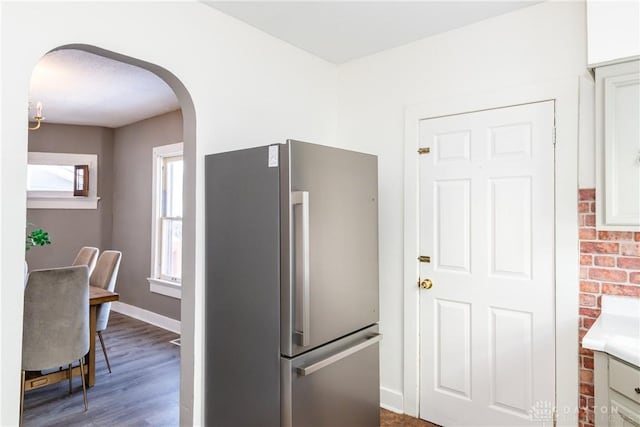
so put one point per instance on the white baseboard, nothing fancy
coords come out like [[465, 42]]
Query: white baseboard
[[391, 400], [147, 316]]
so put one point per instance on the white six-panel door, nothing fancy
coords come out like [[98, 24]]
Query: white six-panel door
[[487, 224]]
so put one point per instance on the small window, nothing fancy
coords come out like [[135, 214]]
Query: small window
[[53, 181], [166, 257]]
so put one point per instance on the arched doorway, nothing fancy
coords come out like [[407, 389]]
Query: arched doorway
[[188, 228]]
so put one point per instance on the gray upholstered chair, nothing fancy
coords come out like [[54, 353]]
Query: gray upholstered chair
[[87, 256], [104, 276], [56, 322]]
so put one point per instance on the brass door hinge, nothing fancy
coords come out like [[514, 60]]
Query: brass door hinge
[[424, 150]]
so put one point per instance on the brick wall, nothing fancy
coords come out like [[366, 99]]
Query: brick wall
[[609, 264]]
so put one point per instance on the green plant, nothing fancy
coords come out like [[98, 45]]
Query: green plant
[[37, 237]]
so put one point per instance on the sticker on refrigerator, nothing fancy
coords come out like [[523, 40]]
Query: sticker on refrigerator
[[273, 156]]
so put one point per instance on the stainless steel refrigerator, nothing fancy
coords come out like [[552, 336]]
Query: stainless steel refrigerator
[[291, 287]]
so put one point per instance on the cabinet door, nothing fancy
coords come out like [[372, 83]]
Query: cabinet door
[[618, 146], [623, 415], [612, 30]]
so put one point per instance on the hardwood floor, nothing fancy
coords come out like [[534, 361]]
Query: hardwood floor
[[143, 389], [391, 419]]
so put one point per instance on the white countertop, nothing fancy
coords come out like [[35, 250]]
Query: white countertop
[[617, 329]]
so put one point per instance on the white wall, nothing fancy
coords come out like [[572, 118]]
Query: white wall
[[536, 45], [247, 88], [12, 337], [587, 132]]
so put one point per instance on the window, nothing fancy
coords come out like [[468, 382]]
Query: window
[[52, 181], [166, 257]]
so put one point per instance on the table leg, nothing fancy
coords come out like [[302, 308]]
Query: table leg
[[91, 356]]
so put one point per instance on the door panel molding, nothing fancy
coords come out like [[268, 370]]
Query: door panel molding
[[565, 94], [453, 374]]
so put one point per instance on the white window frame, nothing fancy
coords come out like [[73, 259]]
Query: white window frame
[[157, 285], [63, 199]]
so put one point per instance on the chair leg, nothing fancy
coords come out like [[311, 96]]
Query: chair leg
[[84, 387], [22, 381], [70, 373], [104, 350]]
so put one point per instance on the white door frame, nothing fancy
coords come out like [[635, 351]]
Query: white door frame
[[565, 93]]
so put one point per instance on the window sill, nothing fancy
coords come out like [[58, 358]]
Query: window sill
[[165, 287], [62, 202]]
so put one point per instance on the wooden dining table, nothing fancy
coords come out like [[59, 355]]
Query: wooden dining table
[[97, 296]]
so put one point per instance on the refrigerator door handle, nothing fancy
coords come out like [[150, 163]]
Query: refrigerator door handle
[[301, 254], [308, 370]]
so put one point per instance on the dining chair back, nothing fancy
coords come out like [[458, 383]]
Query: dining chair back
[[56, 322], [87, 255], [104, 276]]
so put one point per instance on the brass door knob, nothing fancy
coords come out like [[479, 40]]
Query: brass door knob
[[426, 284]]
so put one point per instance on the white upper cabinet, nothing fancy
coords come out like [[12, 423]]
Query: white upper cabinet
[[613, 29], [618, 146]]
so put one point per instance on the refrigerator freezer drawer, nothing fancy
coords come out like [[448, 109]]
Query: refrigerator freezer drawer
[[335, 385]]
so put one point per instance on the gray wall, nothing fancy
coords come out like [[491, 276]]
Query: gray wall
[[70, 229], [123, 218], [132, 170]]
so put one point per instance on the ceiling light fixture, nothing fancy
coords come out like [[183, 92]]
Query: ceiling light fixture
[[38, 116]]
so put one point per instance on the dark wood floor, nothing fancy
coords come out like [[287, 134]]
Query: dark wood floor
[[143, 389]]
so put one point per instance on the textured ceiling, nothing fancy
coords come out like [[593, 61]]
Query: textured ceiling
[[81, 88]]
